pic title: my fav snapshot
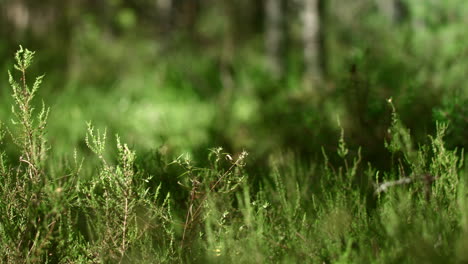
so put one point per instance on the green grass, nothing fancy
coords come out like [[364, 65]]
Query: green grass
[[73, 192]]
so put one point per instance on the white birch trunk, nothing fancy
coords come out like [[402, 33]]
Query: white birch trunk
[[392, 10], [311, 39], [274, 40], [164, 10]]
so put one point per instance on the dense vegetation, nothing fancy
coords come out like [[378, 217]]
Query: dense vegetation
[[186, 143], [129, 209]]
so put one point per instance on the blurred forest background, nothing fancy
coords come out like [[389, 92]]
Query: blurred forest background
[[320, 93], [268, 76]]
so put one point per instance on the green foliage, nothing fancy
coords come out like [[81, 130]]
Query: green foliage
[[31, 135], [102, 203], [387, 184], [29, 215], [454, 112], [119, 208]]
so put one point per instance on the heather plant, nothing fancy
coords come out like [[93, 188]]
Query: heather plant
[[2, 153], [28, 214], [119, 207], [30, 135], [109, 204], [208, 187], [454, 112]]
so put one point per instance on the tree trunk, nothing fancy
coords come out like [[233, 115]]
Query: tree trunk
[[18, 15], [312, 41], [164, 11], [275, 36], [393, 10]]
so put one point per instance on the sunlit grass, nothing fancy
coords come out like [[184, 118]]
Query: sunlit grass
[[117, 176]]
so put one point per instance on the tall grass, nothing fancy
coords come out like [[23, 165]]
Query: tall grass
[[130, 209]]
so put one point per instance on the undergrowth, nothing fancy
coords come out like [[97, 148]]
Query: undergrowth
[[125, 209]]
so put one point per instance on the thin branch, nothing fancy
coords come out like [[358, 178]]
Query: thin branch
[[427, 178], [384, 186]]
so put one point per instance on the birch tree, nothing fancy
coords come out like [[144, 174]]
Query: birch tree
[[275, 36], [312, 40], [164, 10], [393, 10]]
